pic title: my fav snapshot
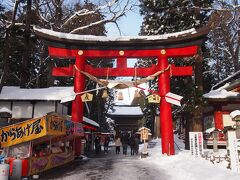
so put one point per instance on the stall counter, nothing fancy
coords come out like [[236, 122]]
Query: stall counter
[[40, 164]]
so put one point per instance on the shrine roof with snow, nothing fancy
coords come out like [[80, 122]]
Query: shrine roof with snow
[[226, 90], [129, 111], [172, 40]]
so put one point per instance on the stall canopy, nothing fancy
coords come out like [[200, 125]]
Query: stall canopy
[[90, 124]]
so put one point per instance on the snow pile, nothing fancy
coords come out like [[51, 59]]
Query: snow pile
[[183, 166], [5, 110], [235, 113], [221, 93]]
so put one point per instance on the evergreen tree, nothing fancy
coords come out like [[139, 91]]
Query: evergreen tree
[[161, 17], [225, 39], [166, 16]]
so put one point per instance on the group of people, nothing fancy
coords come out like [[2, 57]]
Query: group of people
[[125, 140], [97, 143]]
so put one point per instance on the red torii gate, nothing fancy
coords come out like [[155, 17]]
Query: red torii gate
[[184, 44]]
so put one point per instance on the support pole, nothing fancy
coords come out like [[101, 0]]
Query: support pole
[[77, 104], [166, 128]]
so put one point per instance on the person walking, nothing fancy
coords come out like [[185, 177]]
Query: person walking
[[124, 141], [97, 145], [106, 142], [117, 144], [136, 146], [132, 144]]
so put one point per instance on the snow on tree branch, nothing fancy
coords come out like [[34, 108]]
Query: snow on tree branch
[[115, 15], [84, 12]]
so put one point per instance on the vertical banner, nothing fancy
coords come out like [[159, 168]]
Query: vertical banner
[[196, 143], [232, 146], [55, 125]]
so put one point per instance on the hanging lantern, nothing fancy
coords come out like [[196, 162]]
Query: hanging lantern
[[137, 94], [120, 96], [154, 98], [87, 97], [105, 94]]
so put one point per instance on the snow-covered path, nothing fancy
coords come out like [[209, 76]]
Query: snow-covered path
[[108, 167], [157, 166]]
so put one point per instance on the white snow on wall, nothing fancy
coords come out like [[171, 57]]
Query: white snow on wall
[[52, 93], [42, 108], [106, 39], [22, 109]]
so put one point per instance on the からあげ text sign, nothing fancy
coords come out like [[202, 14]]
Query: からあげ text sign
[[22, 132]]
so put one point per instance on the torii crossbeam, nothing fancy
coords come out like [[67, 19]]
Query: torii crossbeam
[[79, 47]]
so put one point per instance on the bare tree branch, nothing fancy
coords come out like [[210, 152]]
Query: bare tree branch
[[84, 12]]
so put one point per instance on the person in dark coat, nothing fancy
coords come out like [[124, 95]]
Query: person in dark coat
[[97, 145], [136, 146], [106, 142], [132, 144], [124, 141]]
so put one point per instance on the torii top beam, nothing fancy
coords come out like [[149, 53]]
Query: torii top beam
[[186, 38], [180, 44]]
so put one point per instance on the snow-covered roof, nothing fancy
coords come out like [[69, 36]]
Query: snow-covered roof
[[51, 93], [140, 129], [105, 38], [74, 41], [126, 111], [221, 94], [89, 121], [227, 80]]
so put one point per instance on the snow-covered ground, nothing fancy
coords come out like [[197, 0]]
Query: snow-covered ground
[[156, 166], [183, 166]]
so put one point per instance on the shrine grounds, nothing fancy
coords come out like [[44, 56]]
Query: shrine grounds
[[156, 166]]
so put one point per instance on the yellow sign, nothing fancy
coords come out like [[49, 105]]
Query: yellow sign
[[87, 97], [22, 132], [154, 98], [56, 125]]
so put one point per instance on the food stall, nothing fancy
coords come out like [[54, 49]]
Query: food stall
[[42, 143]]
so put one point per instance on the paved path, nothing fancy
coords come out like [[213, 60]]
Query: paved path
[[107, 167]]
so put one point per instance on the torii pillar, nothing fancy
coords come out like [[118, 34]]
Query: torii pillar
[[77, 105], [166, 127]]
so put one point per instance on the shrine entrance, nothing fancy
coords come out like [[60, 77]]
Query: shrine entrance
[[162, 47]]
